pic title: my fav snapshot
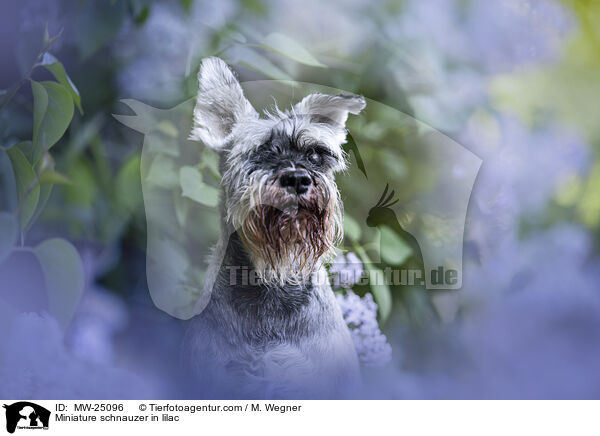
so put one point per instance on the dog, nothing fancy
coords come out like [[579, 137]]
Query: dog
[[272, 327]]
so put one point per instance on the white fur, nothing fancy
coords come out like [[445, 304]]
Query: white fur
[[220, 104], [223, 116]]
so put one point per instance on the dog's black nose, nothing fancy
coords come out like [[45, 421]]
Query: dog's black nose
[[297, 180]]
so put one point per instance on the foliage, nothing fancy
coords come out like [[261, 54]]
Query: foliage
[[32, 167], [516, 86]]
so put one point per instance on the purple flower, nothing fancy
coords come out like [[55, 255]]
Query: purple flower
[[346, 270], [34, 363], [360, 315]]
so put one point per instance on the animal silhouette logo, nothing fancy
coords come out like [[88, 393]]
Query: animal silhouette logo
[[382, 215], [381, 212], [26, 415]]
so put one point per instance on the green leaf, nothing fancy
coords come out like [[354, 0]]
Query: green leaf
[[27, 148], [290, 48], [82, 191], [393, 248], [255, 7], [49, 40], [45, 191], [182, 209], [351, 228], [128, 185], [189, 178], [162, 172], [9, 231], [8, 184], [381, 292], [168, 128], [186, 5], [210, 160], [52, 176], [50, 124], [82, 137], [63, 275], [46, 38], [40, 106], [242, 55], [380, 289], [194, 188], [28, 189], [142, 16], [58, 70], [156, 143], [351, 146]]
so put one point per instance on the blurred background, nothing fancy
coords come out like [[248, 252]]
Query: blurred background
[[515, 82]]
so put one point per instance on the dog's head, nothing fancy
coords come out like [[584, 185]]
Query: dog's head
[[278, 171]]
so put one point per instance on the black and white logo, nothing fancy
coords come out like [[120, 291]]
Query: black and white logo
[[26, 415]]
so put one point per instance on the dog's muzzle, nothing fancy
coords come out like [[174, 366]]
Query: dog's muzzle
[[296, 181]]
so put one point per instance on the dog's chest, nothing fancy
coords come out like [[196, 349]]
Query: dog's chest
[[264, 315], [276, 345], [287, 347]]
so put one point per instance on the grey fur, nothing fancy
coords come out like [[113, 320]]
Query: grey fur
[[285, 336]]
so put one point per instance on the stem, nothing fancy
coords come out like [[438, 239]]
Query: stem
[[362, 254], [13, 89]]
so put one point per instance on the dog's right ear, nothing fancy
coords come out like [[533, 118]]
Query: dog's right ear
[[220, 104]]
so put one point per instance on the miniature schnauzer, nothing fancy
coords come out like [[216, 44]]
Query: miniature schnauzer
[[283, 334]]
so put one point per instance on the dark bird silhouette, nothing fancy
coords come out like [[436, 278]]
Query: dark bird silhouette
[[383, 215]]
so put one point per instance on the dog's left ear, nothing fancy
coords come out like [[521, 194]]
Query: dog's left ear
[[220, 104], [330, 109]]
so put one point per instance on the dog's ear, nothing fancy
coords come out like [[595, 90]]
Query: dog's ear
[[220, 104], [330, 109]]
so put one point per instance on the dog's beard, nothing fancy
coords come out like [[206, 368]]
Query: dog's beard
[[287, 236]]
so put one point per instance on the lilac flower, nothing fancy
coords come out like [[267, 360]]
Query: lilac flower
[[34, 363], [510, 33], [160, 54], [522, 169], [360, 315], [99, 318], [346, 270], [445, 51], [492, 36], [529, 328]]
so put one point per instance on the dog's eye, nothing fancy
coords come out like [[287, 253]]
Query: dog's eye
[[315, 158]]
